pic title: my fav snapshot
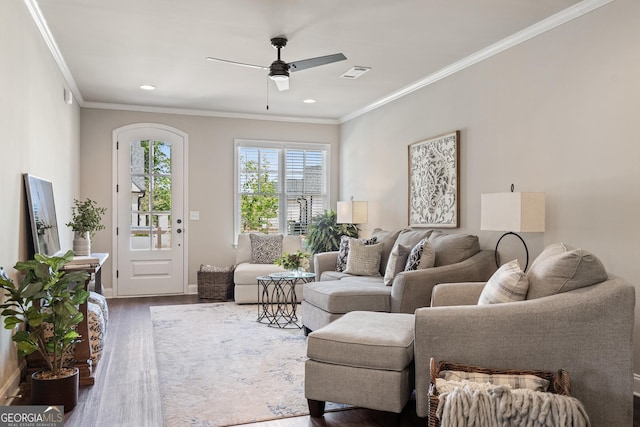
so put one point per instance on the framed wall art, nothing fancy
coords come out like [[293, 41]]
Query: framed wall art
[[434, 182]]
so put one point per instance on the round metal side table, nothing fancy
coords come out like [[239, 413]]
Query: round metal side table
[[277, 302]]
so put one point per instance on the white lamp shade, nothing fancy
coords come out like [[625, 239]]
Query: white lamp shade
[[353, 212], [517, 212]]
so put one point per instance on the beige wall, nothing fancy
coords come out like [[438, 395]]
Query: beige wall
[[210, 172], [39, 134], [557, 114]]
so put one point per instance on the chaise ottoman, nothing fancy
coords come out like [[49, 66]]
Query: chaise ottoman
[[363, 359]]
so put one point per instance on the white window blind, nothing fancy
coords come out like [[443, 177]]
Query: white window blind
[[280, 187]]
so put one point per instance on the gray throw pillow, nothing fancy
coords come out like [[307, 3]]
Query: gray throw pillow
[[453, 248], [265, 248], [561, 268], [396, 263], [363, 260], [343, 251]]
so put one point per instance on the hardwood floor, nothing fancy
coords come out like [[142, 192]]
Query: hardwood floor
[[126, 391]]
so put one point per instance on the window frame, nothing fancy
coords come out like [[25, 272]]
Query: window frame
[[281, 146]]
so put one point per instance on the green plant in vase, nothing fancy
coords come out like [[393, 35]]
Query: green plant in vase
[[46, 301], [294, 262], [324, 232], [86, 219]]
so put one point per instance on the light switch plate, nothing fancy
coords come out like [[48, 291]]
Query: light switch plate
[[194, 215]]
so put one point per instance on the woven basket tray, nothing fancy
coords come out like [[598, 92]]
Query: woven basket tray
[[215, 285], [559, 382]]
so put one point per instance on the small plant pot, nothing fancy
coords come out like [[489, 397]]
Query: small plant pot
[[61, 391], [82, 244]]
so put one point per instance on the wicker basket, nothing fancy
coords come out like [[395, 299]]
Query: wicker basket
[[559, 382], [215, 285]]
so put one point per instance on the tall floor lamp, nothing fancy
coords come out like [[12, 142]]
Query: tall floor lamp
[[513, 212]]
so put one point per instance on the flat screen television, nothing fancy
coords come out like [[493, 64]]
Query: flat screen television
[[42, 215]]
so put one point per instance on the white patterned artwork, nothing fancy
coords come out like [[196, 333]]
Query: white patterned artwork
[[433, 182]]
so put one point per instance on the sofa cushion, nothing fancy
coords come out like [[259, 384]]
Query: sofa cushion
[[561, 268], [508, 284], [342, 296], [343, 251], [396, 263], [246, 273], [411, 238], [363, 260], [453, 248], [265, 248], [332, 275], [387, 239], [360, 339]]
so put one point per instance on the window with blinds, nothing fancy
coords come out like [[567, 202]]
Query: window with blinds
[[280, 186]]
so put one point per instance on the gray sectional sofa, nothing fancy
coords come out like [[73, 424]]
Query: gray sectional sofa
[[458, 258]]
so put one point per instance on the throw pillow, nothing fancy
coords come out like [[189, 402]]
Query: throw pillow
[[265, 248], [343, 251], [453, 248], [561, 268], [396, 263], [421, 256], [508, 284], [528, 381], [428, 258], [363, 260]]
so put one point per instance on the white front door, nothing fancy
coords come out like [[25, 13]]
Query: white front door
[[150, 237]]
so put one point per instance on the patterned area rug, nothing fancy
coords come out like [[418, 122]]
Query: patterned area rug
[[217, 366]]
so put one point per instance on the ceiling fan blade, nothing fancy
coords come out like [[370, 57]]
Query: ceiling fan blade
[[283, 84], [314, 62], [242, 64]]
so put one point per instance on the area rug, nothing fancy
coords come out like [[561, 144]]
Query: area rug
[[217, 366]]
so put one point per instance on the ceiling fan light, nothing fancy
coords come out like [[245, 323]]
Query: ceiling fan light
[[279, 77]]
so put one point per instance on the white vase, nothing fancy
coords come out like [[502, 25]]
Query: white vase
[[82, 244]]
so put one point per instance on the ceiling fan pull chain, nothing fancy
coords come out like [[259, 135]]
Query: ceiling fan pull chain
[[267, 93]]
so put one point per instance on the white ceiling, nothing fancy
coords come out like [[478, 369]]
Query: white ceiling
[[111, 47]]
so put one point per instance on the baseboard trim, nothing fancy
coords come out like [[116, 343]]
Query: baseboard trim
[[192, 288], [10, 389]]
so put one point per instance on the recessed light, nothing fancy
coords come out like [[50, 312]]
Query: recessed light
[[147, 87], [309, 101]]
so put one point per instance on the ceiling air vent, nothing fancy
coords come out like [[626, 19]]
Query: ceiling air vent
[[355, 72]]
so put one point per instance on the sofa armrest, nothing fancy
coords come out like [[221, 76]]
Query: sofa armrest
[[587, 332], [447, 294], [324, 261], [412, 289]]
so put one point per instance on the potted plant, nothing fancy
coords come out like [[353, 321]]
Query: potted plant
[[46, 301], [324, 232], [86, 217], [295, 262]]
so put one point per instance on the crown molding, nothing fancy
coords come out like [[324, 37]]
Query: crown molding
[[41, 23], [208, 113], [534, 30]]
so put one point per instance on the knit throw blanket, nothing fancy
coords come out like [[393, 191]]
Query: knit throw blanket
[[469, 404]]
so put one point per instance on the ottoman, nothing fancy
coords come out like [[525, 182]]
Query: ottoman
[[363, 359]]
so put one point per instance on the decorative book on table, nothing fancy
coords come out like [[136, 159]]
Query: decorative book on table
[[84, 261]]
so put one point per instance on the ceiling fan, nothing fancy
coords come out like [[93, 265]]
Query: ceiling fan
[[279, 70]]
